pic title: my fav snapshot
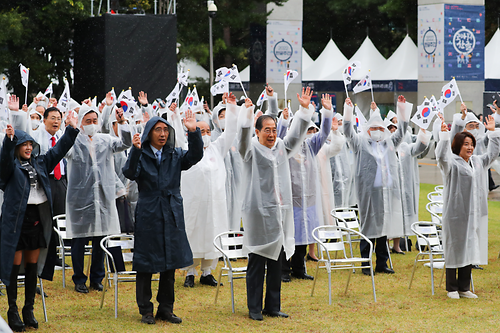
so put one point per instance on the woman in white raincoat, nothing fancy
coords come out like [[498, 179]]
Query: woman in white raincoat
[[377, 181], [465, 211], [90, 202], [267, 204], [203, 188]]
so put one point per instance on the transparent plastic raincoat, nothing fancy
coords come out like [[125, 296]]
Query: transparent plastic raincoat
[[465, 197], [90, 201], [267, 205], [203, 188], [377, 181]]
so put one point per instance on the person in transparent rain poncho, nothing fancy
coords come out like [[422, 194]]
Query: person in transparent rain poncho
[[90, 202], [377, 181], [267, 205], [306, 191], [465, 209], [203, 188], [342, 166], [409, 176]]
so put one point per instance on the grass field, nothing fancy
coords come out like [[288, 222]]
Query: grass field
[[398, 309]]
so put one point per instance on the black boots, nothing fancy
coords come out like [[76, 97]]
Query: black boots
[[15, 322], [30, 291]]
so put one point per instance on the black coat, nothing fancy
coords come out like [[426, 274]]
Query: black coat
[[160, 237], [14, 181]]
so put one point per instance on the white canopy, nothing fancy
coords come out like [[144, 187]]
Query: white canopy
[[328, 62], [306, 60], [491, 52], [369, 57], [401, 65], [245, 74], [195, 70]]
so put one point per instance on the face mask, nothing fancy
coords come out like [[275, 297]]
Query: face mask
[[222, 124], [341, 129], [206, 140], [34, 124], [474, 132], [90, 130], [376, 135], [199, 116]]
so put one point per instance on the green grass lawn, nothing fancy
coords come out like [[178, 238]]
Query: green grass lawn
[[398, 309]]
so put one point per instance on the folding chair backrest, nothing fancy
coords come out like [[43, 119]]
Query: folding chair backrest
[[429, 232], [61, 224], [436, 211], [346, 218], [127, 246], [331, 239], [118, 249], [230, 244], [439, 188], [435, 196]]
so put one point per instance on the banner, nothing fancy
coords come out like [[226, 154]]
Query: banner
[[431, 43], [464, 42], [283, 49]]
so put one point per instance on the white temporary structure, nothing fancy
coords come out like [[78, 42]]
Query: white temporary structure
[[245, 74], [369, 57], [195, 70], [401, 65], [329, 61], [306, 60], [491, 52]]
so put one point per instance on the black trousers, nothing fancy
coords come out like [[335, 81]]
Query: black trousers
[[255, 283], [165, 297], [296, 262], [463, 282], [77, 257], [380, 250]]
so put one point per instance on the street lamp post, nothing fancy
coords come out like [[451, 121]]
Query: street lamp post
[[212, 10]]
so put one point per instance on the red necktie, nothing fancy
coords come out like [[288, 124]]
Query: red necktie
[[57, 169]]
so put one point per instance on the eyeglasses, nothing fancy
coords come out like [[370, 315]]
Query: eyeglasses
[[54, 119], [269, 131], [161, 130]]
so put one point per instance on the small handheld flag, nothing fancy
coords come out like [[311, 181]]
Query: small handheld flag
[[424, 115]]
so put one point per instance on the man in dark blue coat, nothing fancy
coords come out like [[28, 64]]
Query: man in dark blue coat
[[161, 243]]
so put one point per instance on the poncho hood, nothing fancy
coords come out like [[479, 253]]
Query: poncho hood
[[149, 126]]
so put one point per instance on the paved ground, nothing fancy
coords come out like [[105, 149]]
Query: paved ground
[[430, 174]]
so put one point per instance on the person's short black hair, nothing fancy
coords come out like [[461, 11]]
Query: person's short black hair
[[458, 141], [260, 120], [51, 109]]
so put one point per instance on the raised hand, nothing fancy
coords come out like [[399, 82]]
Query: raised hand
[[101, 107], [463, 109], [190, 121], [373, 106], [9, 131], [53, 102], [143, 98], [13, 103], [286, 114], [401, 99], [326, 101], [145, 117], [305, 99], [348, 101], [25, 107], [335, 124], [489, 123], [269, 90], [136, 140], [248, 103], [87, 101], [230, 98], [172, 107], [109, 99], [71, 120], [206, 108]]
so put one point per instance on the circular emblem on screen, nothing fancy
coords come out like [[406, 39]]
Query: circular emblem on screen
[[257, 51], [283, 50], [430, 41], [464, 41]]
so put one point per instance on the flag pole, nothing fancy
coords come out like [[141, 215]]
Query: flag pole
[[347, 94], [371, 86], [26, 94], [459, 94], [241, 83]]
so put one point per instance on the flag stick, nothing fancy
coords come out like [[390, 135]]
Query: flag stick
[[459, 94], [347, 94], [371, 87], [241, 83]]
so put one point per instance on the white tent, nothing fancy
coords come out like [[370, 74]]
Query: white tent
[[329, 61], [401, 65], [306, 60], [491, 52], [195, 70], [367, 54], [245, 74]]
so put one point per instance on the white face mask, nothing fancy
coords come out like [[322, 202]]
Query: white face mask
[[341, 129], [90, 130], [34, 124], [206, 140], [198, 116], [376, 135], [222, 124], [474, 132], [310, 135]]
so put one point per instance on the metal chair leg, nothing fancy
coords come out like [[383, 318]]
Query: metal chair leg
[[43, 300], [389, 253]]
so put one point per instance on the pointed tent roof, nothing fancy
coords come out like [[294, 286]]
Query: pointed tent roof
[[195, 70], [330, 59], [369, 57], [401, 65], [491, 51], [245, 74], [306, 60]]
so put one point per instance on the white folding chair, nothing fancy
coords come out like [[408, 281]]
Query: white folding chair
[[439, 188], [332, 239], [230, 245], [63, 249], [118, 250], [435, 208], [435, 196], [431, 251]]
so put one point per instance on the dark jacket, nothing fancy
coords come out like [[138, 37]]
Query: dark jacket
[[14, 181], [160, 237]]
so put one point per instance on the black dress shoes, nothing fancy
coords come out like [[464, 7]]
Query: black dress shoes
[[397, 252], [170, 317], [148, 319], [209, 280], [189, 283], [385, 270], [274, 314], [15, 322], [81, 288], [303, 276], [96, 286], [285, 277], [366, 271], [311, 258], [255, 316], [477, 266]]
